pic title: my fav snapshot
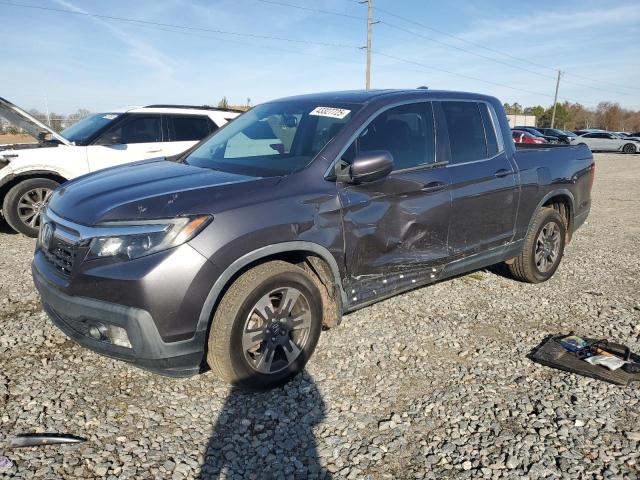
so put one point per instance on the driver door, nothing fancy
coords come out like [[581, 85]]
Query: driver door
[[138, 137], [396, 229]]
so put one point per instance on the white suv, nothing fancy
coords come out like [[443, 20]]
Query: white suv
[[30, 172]]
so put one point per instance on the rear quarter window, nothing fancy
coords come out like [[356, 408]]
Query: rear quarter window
[[466, 131], [189, 128]]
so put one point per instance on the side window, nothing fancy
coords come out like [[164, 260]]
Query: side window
[[489, 130], [589, 135], [406, 132], [188, 128], [137, 129], [466, 132]]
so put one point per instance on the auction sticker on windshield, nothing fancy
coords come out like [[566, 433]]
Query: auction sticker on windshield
[[330, 112]]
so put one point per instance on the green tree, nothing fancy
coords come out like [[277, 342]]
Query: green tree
[[224, 103]]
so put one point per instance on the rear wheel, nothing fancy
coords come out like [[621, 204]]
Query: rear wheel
[[24, 202], [629, 148], [543, 248], [266, 326]]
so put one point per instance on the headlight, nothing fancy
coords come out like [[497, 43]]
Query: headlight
[[129, 240]]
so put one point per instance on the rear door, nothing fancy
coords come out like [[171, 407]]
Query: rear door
[[396, 228], [135, 137], [184, 131], [483, 183], [612, 142]]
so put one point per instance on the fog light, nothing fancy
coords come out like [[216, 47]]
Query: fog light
[[118, 336], [98, 331]]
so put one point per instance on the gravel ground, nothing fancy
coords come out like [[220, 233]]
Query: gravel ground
[[431, 384]]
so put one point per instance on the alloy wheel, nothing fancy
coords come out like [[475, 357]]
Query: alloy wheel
[[547, 247], [31, 204], [276, 330]]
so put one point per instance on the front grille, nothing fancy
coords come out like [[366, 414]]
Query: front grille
[[62, 255]]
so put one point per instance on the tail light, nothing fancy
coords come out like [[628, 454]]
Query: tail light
[[593, 175]]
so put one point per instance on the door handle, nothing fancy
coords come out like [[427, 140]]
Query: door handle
[[503, 172], [433, 187], [157, 150]]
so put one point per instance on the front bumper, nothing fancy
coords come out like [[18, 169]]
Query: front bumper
[[74, 315]]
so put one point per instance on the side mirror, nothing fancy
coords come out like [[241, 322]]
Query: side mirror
[[366, 167]]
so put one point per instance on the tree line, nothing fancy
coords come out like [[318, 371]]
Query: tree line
[[569, 116], [574, 116]]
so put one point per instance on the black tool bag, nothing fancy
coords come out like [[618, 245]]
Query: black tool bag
[[552, 354]]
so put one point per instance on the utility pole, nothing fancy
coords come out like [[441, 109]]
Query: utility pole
[[369, 23], [555, 99]]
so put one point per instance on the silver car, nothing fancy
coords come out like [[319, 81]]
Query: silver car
[[607, 142]]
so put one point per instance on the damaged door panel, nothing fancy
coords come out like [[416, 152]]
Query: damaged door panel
[[396, 229]]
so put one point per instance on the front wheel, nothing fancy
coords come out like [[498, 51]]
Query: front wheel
[[543, 248], [266, 326], [629, 148], [24, 202]]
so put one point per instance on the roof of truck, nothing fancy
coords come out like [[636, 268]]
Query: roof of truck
[[365, 96]]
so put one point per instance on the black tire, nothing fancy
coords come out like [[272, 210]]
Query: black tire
[[226, 353], [629, 148], [14, 211], [526, 266]]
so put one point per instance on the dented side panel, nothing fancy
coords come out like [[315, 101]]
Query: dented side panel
[[395, 230]]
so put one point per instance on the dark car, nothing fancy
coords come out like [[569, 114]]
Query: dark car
[[554, 132], [237, 254], [536, 132]]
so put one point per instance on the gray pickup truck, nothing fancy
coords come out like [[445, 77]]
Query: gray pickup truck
[[234, 255]]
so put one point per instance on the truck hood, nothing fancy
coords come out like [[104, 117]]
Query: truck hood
[[21, 119], [149, 190]]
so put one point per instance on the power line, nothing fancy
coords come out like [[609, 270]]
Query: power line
[[431, 39], [184, 27], [495, 59], [309, 9], [514, 57], [448, 45], [462, 75]]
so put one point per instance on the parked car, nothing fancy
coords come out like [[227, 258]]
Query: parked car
[[559, 134], [536, 133], [237, 262], [587, 130], [607, 142], [30, 172], [628, 136], [525, 137]]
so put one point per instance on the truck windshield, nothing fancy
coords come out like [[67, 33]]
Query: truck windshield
[[273, 139], [81, 131]]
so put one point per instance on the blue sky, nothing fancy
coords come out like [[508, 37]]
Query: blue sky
[[77, 61]]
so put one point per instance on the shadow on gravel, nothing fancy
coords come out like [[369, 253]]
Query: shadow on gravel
[[5, 228], [267, 434]]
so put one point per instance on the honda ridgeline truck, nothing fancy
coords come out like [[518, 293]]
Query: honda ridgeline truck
[[236, 254]]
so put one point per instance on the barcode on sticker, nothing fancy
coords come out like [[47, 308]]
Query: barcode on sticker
[[330, 112]]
